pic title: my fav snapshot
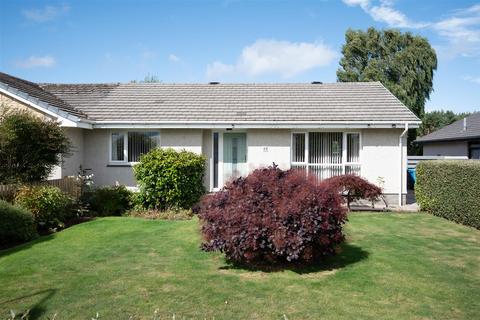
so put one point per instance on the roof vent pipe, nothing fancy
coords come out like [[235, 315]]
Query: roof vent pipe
[[465, 124]]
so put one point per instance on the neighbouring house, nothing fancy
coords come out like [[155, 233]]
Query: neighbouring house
[[324, 129], [461, 138]]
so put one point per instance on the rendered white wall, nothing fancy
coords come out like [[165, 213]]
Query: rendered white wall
[[71, 164], [380, 157], [96, 157], [266, 146], [178, 139]]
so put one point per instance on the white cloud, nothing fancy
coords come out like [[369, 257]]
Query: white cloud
[[472, 79], [34, 62], [173, 58], [275, 57], [461, 29], [384, 12], [462, 32], [46, 13], [362, 3]]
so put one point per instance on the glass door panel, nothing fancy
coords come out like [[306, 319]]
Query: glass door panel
[[234, 155]]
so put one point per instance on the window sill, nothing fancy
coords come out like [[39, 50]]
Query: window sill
[[124, 165]]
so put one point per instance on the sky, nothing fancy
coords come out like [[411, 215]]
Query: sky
[[230, 40]]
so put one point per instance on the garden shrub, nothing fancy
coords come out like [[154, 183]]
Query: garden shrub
[[272, 216], [169, 178], [16, 225], [30, 147], [50, 207], [108, 201], [450, 189], [353, 187]]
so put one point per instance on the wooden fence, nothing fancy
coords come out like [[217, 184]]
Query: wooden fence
[[69, 185]]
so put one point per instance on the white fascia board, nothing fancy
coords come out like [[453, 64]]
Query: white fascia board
[[250, 125], [65, 119]]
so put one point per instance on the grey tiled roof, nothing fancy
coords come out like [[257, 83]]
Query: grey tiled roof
[[455, 131], [156, 102], [36, 92]]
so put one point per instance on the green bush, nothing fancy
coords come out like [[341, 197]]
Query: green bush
[[450, 189], [16, 225], [169, 178], [108, 201], [50, 207], [30, 147]]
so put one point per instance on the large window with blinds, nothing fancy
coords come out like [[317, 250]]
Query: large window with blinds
[[129, 146], [326, 154]]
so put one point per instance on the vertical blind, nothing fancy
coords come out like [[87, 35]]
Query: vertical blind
[[353, 147], [140, 143], [325, 147], [298, 148], [326, 153], [117, 147]]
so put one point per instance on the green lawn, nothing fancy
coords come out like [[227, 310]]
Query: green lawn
[[394, 266]]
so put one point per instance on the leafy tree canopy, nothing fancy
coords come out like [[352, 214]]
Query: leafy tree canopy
[[402, 62], [29, 146]]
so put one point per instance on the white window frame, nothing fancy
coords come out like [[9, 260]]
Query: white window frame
[[344, 163], [125, 144], [220, 162]]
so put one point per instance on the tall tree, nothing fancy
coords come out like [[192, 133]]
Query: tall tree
[[402, 62]]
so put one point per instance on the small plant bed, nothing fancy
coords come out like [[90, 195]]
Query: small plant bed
[[167, 214], [395, 266]]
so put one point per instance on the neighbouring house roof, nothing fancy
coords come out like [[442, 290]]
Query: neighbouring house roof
[[36, 93], [344, 103], [464, 129]]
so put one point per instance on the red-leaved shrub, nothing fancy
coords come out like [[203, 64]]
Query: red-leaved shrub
[[353, 187], [272, 216]]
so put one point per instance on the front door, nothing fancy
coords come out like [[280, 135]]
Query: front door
[[234, 155]]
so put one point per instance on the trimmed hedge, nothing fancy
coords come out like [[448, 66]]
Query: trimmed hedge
[[16, 225], [450, 189], [170, 179]]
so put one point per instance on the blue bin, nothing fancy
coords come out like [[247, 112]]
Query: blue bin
[[411, 178]]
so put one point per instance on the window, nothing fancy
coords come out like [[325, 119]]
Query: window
[[118, 145], [129, 146], [298, 147], [352, 165], [474, 150], [326, 154]]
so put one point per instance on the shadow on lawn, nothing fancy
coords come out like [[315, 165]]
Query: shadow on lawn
[[7, 251], [349, 254], [36, 310]]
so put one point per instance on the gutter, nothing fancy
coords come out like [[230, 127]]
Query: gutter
[[250, 124], [400, 144]]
